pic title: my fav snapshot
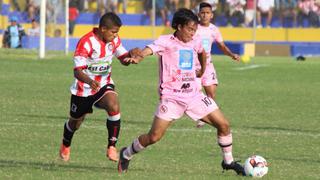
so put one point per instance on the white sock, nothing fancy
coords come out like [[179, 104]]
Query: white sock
[[134, 148]]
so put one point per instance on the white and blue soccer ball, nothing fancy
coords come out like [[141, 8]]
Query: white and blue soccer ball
[[256, 166]]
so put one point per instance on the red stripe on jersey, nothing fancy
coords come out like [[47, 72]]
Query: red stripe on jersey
[[102, 49], [80, 67], [98, 79], [108, 78], [80, 50], [116, 45], [80, 88]]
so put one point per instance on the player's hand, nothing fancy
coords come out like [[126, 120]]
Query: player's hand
[[95, 85], [131, 60], [235, 57], [135, 53], [199, 73]]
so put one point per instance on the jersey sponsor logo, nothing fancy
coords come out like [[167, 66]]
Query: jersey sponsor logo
[[178, 75], [185, 59], [206, 44], [100, 68]]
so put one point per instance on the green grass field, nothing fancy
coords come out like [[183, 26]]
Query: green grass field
[[272, 104]]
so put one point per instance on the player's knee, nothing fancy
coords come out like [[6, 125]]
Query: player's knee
[[75, 123], [114, 107]]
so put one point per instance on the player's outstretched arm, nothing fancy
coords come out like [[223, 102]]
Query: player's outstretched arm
[[228, 52], [137, 59]]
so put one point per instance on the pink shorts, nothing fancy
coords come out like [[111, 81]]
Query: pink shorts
[[196, 107], [209, 77]]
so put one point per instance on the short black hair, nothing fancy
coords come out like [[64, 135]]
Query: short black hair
[[109, 20], [203, 5], [182, 17]]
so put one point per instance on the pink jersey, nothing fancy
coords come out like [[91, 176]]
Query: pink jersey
[[177, 66], [208, 35], [95, 57]]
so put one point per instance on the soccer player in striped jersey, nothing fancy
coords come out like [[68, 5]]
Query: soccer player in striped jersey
[[93, 84], [179, 91], [208, 33]]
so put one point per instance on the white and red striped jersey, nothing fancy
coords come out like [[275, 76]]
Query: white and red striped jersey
[[94, 57]]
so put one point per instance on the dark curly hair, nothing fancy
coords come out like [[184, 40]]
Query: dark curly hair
[[109, 20], [182, 17]]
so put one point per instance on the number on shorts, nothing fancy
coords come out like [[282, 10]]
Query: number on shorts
[[206, 101]]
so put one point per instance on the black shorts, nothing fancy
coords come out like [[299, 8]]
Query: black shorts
[[80, 106]]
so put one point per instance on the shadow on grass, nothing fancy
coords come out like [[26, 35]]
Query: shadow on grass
[[281, 129], [52, 166], [38, 116]]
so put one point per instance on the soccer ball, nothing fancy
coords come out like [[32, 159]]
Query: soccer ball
[[256, 166], [245, 58]]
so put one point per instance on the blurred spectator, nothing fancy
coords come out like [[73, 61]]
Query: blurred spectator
[[288, 10], [34, 30], [249, 12], [114, 6], [57, 33], [102, 6], [160, 8], [176, 4], [13, 34], [15, 4], [33, 8], [265, 8], [54, 9], [236, 11], [308, 9], [73, 14], [124, 6]]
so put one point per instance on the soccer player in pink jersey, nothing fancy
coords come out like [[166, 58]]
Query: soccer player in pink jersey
[[93, 84], [179, 90], [208, 34]]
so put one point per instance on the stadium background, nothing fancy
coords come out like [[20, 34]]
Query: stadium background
[[274, 41]]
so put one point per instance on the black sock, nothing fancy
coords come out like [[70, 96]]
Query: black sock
[[67, 135], [113, 132]]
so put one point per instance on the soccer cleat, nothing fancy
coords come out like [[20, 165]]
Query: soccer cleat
[[200, 124], [112, 154], [123, 163], [234, 166], [64, 153]]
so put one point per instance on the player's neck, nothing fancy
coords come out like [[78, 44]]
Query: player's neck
[[99, 35], [205, 24]]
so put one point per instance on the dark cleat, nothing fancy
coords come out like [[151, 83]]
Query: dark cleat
[[234, 166], [123, 163]]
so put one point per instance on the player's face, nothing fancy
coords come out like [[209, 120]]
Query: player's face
[[186, 32], [205, 15], [108, 34]]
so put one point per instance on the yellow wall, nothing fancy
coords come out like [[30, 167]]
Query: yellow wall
[[229, 34]]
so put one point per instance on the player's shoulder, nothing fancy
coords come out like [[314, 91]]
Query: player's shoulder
[[86, 37], [213, 27], [165, 37]]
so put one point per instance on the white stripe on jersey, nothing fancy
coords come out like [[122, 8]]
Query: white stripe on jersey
[[95, 57]]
